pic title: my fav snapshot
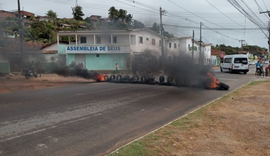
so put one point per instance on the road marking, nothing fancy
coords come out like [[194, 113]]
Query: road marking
[[228, 79]]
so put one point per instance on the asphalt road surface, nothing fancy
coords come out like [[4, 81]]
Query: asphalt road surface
[[95, 118]]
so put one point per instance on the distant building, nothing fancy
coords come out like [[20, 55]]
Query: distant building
[[95, 19], [24, 14], [176, 47], [43, 18], [216, 56], [5, 14]]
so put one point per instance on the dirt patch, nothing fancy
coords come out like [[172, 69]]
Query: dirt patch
[[19, 83]]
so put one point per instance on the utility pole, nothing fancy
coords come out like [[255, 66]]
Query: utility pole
[[20, 28], [193, 46], [241, 45], [267, 12], [161, 12], [201, 58]]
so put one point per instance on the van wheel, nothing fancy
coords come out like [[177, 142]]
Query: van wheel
[[221, 70], [245, 72]]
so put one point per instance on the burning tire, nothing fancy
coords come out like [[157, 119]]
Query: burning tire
[[106, 77], [223, 86]]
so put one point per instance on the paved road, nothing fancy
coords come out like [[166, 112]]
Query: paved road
[[95, 118]]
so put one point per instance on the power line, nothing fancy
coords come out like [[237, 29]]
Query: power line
[[194, 27], [223, 13], [260, 8], [238, 6], [265, 5], [194, 14]]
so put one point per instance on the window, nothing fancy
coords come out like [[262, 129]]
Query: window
[[98, 40], [170, 44], [228, 60], [174, 45], [140, 39], [153, 42], [83, 39], [241, 60], [114, 39]]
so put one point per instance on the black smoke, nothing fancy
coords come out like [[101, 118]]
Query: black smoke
[[74, 70]]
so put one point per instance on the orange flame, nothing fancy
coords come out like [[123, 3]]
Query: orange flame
[[213, 81], [100, 77]]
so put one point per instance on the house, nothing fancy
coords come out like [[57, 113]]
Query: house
[[43, 18], [95, 19], [102, 49], [216, 56], [5, 14], [63, 25], [176, 47], [24, 14]]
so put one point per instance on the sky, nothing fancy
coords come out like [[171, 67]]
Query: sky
[[221, 22]]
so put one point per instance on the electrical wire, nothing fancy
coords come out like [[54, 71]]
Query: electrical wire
[[261, 10], [223, 13], [238, 6], [194, 27]]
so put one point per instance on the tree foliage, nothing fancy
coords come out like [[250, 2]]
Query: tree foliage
[[253, 49], [77, 13], [120, 18]]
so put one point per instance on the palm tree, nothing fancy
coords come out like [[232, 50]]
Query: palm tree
[[32, 35], [122, 15], [128, 19], [113, 13]]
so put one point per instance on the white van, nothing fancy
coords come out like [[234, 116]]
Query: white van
[[235, 63]]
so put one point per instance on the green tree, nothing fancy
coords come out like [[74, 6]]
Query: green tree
[[128, 19], [31, 35], [122, 15], [113, 13], [77, 13], [52, 15]]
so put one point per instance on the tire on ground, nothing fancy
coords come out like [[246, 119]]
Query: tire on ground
[[112, 77], [118, 77], [161, 78], [169, 79], [135, 77], [224, 86]]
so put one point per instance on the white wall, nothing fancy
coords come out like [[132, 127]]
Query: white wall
[[147, 44]]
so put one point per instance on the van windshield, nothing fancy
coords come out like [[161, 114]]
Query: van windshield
[[241, 60]]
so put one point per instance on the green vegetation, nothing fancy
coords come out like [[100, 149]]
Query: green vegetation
[[256, 50]]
